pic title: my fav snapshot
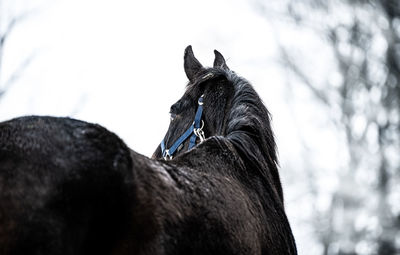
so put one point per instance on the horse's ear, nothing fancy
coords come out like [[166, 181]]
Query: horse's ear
[[191, 64], [219, 61]]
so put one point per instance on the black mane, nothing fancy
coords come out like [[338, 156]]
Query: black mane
[[250, 131]]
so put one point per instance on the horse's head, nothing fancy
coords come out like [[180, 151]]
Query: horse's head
[[201, 112], [219, 102]]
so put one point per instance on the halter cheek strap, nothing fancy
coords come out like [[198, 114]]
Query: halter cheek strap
[[194, 131]]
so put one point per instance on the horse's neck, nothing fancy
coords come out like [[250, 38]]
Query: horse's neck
[[215, 154]]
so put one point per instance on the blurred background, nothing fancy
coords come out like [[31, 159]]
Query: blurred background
[[328, 70]]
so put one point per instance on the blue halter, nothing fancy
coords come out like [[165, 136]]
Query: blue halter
[[195, 130]]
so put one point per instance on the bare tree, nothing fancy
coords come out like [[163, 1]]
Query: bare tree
[[6, 29], [364, 38]]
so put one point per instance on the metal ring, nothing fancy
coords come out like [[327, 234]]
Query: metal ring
[[166, 155], [200, 128], [200, 102], [202, 125]]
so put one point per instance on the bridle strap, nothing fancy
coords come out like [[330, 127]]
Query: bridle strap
[[196, 128], [197, 123]]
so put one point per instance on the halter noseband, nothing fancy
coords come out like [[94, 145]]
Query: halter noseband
[[195, 128]]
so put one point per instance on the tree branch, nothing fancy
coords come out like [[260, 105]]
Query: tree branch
[[293, 67], [17, 74], [10, 27]]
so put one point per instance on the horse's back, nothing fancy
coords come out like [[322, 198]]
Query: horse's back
[[62, 186]]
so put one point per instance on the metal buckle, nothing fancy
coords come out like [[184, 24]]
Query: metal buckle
[[166, 155], [200, 102], [199, 132]]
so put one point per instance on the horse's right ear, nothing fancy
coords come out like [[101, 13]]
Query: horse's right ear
[[191, 64], [219, 61]]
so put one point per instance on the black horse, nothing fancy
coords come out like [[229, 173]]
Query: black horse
[[212, 187]]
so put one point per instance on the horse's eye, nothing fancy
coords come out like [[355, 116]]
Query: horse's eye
[[175, 108], [172, 116]]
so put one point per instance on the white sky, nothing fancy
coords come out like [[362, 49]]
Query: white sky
[[120, 64]]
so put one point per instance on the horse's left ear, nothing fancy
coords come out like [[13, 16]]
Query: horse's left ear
[[219, 61], [191, 64]]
